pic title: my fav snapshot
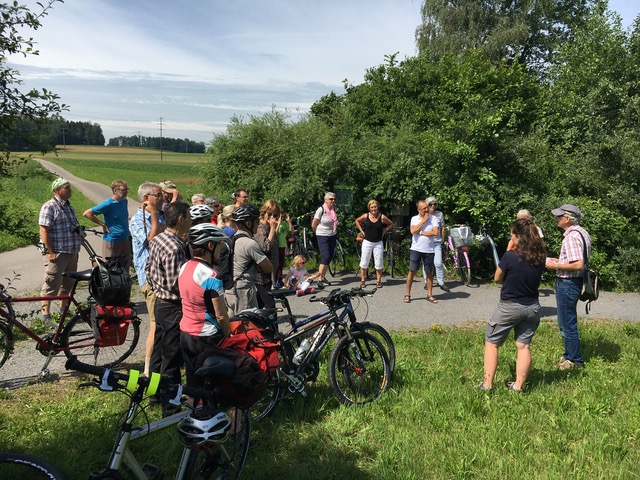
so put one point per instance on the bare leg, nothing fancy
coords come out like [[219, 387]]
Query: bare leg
[[363, 275], [409, 282], [490, 363], [148, 348], [430, 284], [523, 364], [322, 270], [379, 276]]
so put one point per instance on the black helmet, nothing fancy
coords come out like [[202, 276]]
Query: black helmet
[[244, 213], [204, 233]]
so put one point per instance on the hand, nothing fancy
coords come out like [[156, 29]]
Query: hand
[[149, 205], [51, 255]]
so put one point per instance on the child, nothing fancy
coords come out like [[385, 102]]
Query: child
[[296, 277]]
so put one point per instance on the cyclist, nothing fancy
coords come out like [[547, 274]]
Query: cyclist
[[248, 260], [200, 214], [205, 319]]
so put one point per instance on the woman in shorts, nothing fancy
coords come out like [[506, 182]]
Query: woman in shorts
[[519, 272]]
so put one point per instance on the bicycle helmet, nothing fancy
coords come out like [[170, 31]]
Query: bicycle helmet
[[200, 211], [244, 213], [204, 233], [200, 428]]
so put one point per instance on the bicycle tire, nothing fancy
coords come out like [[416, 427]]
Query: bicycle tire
[[338, 261], [401, 261], [379, 332], [448, 261], [463, 270], [483, 266], [23, 466], [6, 343], [211, 462], [364, 356], [78, 338]]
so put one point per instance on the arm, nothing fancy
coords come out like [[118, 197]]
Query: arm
[[222, 315], [416, 228], [498, 277], [92, 216], [156, 226], [44, 236], [389, 223], [360, 219], [314, 224], [554, 264], [265, 266]]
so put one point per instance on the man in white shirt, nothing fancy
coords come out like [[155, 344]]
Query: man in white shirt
[[424, 228]]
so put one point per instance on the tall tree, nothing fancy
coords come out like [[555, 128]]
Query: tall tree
[[526, 30], [15, 104]]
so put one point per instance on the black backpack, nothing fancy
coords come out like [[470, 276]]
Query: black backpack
[[110, 284], [225, 263]]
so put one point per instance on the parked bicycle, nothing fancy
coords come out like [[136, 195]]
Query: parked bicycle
[[397, 247], [485, 259], [455, 252], [216, 437], [338, 261], [27, 467], [302, 243], [96, 340], [359, 368]]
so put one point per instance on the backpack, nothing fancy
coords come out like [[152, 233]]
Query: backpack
[[110, 284], [248, 338], [225, 263], [590, 283], [248, 383]]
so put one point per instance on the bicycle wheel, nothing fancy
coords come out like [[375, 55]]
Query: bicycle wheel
[[358, 369], [400, 266], [483, 266], [337, 262], [449, 261], [464, 270], [79, 338], [6, 343], [225, 460], [265, 406], [379, 332], [23, 466]]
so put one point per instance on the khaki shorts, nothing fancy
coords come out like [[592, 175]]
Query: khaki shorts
[[119, 250], [150, 300], [54, 282], [522, 319]]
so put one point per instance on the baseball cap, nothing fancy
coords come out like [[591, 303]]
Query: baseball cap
[[168, 186], [58, 182], [567, 209]]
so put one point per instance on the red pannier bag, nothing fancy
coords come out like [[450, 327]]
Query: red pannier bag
[[246, 337], [111, 323]]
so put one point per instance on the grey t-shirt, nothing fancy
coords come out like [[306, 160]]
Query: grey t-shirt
[[246, 255]]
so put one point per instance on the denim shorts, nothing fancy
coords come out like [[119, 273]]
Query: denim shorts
[[417, 258], [523, 319]]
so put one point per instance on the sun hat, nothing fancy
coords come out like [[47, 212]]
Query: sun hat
[[58, 182], [168, 186], [567, 209]]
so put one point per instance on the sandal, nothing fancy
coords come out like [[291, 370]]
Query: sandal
[[363, 284], [407, 299], [378, 285], [431, 299]]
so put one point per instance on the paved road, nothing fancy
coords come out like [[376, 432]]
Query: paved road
[[463, 304]]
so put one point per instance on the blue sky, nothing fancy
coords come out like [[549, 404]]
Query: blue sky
[[196, 63]]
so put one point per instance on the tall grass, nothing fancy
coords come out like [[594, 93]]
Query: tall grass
[[433, 423]]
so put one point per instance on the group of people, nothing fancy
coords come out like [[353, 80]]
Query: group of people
[[177, 250]]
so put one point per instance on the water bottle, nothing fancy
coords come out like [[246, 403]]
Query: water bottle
[[302, 349]]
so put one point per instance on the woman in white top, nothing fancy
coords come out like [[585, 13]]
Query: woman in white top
[[325, 226]]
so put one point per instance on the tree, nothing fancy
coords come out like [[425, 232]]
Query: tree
[[15, 105], [524, 30]]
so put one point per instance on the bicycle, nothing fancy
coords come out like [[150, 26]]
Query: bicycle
[[456, 258], [485, 258], [302, 244], [359, 368], [397, 252], [108, 345], [215, 436], [28, 467], [338, 260]]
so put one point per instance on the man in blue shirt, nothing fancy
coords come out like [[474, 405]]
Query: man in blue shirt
[[115, 241]]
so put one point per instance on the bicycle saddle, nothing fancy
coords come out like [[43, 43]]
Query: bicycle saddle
[[85, 275], [219, 366]]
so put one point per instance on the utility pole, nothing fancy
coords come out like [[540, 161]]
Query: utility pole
[[64, 141], [161, 120], [186, 145]]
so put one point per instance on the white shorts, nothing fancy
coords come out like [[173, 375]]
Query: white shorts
[[377, 248]]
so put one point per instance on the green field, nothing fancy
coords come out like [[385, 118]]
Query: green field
[[433, 424]]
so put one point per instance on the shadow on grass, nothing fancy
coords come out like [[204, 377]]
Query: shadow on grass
[[602, 348]]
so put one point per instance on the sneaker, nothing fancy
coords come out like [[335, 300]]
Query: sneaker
[[277, 285], [482, 387], [324, 283], [444, 288], [512, 386], [568, 365]]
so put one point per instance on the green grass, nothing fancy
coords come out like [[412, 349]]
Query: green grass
[[433, 423]]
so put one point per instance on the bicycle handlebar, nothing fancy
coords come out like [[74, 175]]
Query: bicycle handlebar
[[339, 297], [111, 380]]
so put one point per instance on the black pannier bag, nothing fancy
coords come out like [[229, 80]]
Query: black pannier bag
[[110, 284]]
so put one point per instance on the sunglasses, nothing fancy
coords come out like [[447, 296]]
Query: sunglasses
[[432, 204]]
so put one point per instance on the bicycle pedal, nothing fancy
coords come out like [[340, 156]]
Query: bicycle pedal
[[152, 472]]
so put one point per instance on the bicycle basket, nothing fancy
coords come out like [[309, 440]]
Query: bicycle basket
[[462, 236], [111, 324]]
